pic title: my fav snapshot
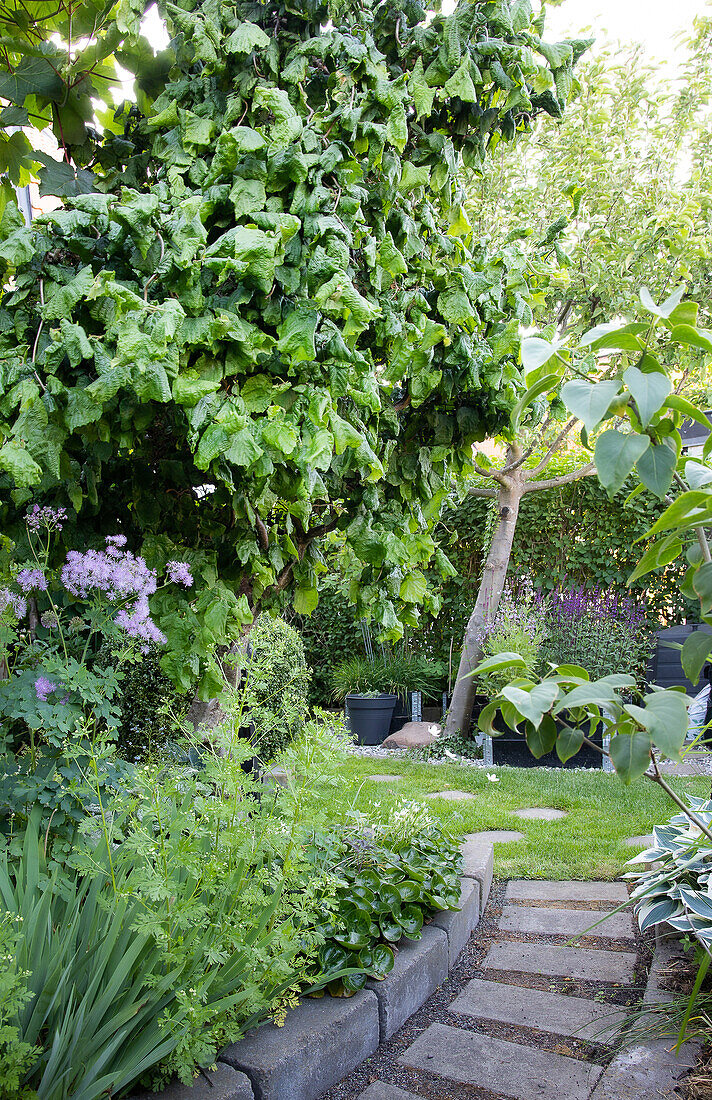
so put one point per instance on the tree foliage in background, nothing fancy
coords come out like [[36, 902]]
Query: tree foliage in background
[[277, 320], [630, 160], [573, 535]]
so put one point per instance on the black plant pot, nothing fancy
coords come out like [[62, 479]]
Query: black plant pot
[[511, 748], [369, 717], [401, 712]]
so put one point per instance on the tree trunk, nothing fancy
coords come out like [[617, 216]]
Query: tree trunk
[[206, 714], [494, 575]]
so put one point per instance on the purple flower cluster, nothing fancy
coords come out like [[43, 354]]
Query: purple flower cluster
[[44, 688], [13, 600], [116, 573], [179, 573], [51, 518], [137, 622], [28, 579], [568, 605]]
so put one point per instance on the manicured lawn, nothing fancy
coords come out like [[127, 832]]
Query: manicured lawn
[[587, 844]]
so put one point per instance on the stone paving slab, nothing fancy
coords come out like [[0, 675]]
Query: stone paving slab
[[545, 890], [496, 836], [567, 922], [649, 1071], [221, 1083], [420, 967], [381, 778], [639, 841], [504, 1068], [554, 1012], [541, 813], [381, 1090], [589, 964], [320, 1042]]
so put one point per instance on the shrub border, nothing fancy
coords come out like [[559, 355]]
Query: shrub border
[[323, 1040]]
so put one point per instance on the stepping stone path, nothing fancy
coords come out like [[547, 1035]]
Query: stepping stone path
[[639, 841], [462, 1054], [451, 796], [383, 778], [541, 813], [495, 836]]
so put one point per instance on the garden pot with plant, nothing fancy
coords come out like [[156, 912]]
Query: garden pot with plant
[[371, 690]]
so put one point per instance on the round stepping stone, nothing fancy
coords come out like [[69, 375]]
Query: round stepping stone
[[383, 778], [639, 842], [496, 836], [451, 796], [541, 813]]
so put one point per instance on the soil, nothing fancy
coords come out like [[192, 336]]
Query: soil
[[384, 1064]]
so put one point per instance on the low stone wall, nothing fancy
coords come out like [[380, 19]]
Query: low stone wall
[[324, 1039]]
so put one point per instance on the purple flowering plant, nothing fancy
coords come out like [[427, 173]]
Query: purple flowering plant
[[56, 627]]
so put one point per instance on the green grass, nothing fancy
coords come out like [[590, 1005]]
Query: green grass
[[587, 844]]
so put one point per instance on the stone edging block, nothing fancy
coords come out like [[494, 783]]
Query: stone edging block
[[221, 1083], [420, 967], [321, 1041], [458, 925], [648, 1069], [478, 860]]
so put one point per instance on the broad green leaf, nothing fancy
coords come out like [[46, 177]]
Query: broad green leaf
[[649, 390], [422, 94], [692, 336], [682, 405], [668, 306], [296, 336], [243, 450], [630, 753], [702, 584], [541, 739], [532, 704], [615, 456], [697, 474], [246, 38], [305, 602], [664, 716], [499, 661], [20, 465], [413, 587], [589, 401], [659, 554], [535, 352], [544, 385], [695, 651], [568, 743], [460, 83], [656, 467], [595, 693], [685, 511], [613, 337]]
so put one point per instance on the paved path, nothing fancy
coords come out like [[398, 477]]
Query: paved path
[[511, 994]]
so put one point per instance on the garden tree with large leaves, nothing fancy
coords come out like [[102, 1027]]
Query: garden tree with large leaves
[[624, 175], [638, 395], [57, 68], [276, 322]]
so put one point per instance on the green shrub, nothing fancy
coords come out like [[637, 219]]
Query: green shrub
[[150, 708], [277, 685]]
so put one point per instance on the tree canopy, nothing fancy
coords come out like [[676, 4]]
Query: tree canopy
[[271, 317]]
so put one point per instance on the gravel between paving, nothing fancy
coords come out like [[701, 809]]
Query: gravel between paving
[[384, 1064]]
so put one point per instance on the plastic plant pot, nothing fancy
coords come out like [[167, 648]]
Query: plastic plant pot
[[370, 716]]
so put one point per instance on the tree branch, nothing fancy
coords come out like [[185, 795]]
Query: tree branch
[[553, 449], [563, 479], [476, 491]]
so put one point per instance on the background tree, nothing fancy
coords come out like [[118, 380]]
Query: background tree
[[276, 320], [631, 157]]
